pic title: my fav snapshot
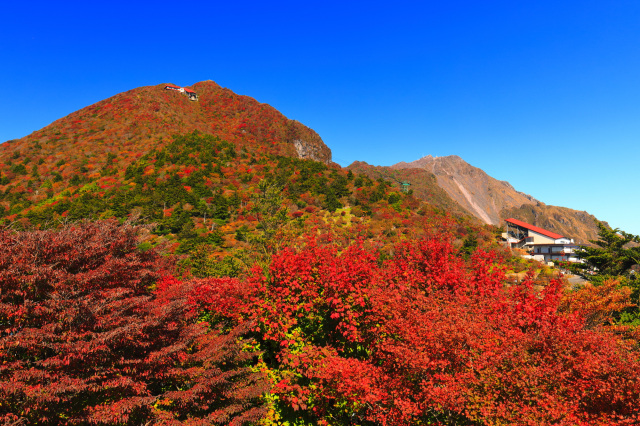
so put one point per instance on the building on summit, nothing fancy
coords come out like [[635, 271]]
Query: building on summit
[[193, 96]]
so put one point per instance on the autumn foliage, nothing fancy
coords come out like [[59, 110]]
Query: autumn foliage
[[84, 339], [370, 305], [329, 334], [425, 337]]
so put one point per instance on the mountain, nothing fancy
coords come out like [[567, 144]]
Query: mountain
[[133, 122], [221, 177], [98, 142], [479, 193], [422, 183], [492, 201], [124, 140]]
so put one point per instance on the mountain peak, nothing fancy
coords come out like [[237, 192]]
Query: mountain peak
[[491, 200], [482, 195], [142, 118]]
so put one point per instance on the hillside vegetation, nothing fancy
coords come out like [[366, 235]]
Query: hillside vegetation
[[175, 262]]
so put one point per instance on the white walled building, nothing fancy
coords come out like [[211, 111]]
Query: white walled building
[[543, 245]]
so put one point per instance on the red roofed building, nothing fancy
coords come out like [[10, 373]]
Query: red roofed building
[[193, 96], [542, 244]]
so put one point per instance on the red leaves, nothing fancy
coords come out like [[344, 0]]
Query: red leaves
[[84, 340], [78, 258], [422, 337], [426, 337]]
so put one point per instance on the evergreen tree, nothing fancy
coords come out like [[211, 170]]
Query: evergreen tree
[[612, 254]]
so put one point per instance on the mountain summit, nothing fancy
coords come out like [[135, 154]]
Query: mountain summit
[[492, 200], [138, 120], [479, 193]]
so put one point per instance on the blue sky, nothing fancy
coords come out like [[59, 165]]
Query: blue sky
[[545, 94]]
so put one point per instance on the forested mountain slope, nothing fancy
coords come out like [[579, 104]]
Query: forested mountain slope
[[117, 131], [216, 177]]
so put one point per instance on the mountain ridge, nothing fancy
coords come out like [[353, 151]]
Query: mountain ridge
[[423, 185], [214, 178], [149, 114], [97, 141], [492, 200]]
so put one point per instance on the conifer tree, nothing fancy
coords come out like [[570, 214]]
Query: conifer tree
[[613, 254]]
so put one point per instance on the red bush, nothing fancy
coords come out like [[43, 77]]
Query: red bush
[[83, 339], [427, 337]]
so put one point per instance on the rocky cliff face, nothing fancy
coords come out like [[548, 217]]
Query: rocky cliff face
[[479, 193], [310, 151], [492, 201]]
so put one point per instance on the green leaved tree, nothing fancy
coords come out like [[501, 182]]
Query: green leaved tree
[[271, 215], [614, 253]]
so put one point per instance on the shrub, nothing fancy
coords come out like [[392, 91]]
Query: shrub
[[85, 340], [425, 337]]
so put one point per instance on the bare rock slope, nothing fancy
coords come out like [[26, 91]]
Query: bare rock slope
[[492, 201]]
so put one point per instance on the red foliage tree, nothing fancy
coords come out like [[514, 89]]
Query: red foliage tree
[[83, 338], [426, 337]]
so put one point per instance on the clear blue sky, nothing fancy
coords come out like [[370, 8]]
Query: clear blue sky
[[545, 95]]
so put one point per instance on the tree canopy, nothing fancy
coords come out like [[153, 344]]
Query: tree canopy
[[84, 339], [424, 337], [614, 253]]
